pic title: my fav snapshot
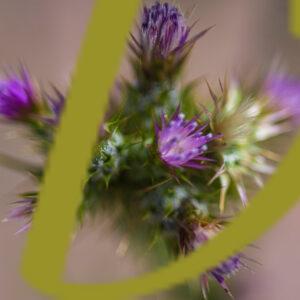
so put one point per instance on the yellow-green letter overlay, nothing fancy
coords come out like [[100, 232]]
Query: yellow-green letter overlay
[[60, 195], [294, 17]]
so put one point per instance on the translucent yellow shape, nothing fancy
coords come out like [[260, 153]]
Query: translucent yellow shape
[[61, 193]]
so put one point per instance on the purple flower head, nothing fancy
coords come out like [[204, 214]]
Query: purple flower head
[[182, 143], [284, 93], [193, 236], [17, 96], [163, 29], [23, 211]]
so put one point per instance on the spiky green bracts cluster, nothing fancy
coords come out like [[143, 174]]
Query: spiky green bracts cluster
[[247, 121], [162, 167]]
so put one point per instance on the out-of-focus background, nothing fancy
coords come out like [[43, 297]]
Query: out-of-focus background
[[250, 35]]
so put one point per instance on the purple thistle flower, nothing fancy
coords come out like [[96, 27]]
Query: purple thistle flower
[[22, 212], [193, 236], [284, 93], [163, 29], [182, 143], [17, 96]]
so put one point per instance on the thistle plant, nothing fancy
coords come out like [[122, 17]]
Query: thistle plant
[[163, 160]]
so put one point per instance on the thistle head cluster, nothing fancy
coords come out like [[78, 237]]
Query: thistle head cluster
[[162, 163]]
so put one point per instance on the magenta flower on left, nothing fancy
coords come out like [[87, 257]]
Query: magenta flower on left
[[23, 211], [18, 99]]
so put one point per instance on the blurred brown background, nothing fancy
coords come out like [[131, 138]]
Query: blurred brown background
[[248, 37]]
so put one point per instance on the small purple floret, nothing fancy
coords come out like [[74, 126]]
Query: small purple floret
[[284, 92], [163, 28], [23, 211], [194, 237], [182, 143], [17, 96]]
